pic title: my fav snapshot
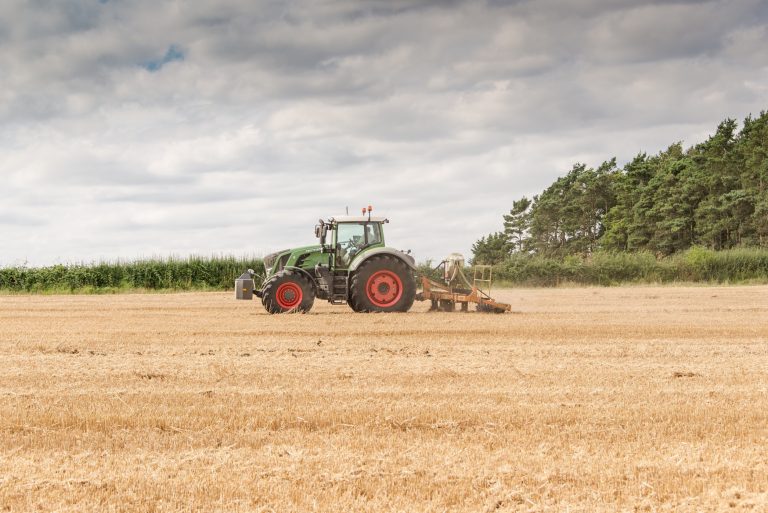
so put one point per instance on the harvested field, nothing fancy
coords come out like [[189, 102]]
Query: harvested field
[[592, 399]]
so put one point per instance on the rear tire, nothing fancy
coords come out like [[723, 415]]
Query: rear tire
[[288, 291], [382, 284]]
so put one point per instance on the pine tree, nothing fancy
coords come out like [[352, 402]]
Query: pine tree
[[490, 250], [517, 223]]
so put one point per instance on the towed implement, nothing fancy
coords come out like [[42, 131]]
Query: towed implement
[[456, 289], [352, 265]]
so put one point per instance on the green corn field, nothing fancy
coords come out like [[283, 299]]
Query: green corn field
[[173, 273]]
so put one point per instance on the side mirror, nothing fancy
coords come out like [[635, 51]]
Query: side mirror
[[321, 230]]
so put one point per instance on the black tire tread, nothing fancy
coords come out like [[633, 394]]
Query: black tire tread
[[353, 301]]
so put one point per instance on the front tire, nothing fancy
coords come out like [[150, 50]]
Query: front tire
[[382, 284], [288, 291]]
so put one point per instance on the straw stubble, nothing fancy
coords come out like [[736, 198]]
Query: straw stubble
[[586, 399]]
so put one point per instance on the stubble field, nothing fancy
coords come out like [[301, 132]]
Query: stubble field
[[592, 399]]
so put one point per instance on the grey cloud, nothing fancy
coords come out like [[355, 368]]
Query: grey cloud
[[667, 31]]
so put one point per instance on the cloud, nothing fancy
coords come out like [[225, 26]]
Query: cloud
[[139, 128]]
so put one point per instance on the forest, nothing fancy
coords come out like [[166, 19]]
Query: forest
[[710, 196]]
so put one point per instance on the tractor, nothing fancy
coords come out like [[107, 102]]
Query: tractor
[[351, 264]]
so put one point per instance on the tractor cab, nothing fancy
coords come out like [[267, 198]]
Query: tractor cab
[[350, 236]]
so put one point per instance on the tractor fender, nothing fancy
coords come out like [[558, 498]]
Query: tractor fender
[[406, 259], [299, 270]]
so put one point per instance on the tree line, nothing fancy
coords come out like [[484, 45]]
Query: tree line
[[711, 195]]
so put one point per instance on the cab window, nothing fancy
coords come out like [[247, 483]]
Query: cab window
[[352, 237], [350, 234], [372, 234]]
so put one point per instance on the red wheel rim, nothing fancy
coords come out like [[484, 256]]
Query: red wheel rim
[[384, 288], [289, 295]]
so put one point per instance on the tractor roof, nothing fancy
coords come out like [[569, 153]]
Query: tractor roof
[[359, 219]]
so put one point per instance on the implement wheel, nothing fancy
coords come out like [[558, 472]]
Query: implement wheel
[[288, 291], [382, 284]]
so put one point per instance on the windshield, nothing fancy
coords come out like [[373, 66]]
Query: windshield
[[352, 237]]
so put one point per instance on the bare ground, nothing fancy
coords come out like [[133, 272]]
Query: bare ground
[[591, 399]]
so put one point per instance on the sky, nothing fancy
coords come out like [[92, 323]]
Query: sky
[[142, 128]]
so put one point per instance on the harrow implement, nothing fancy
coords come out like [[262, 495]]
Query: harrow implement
[[456, 289]]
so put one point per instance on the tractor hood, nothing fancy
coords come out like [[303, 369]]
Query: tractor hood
[[269, 260], [315, 248], [281, 257]]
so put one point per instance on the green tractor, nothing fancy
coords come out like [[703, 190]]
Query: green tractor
[[351, 264]]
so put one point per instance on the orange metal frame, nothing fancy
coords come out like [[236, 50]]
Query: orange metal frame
[[444, 298]]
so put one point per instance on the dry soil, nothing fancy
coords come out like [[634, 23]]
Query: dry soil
[[591, 399]]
